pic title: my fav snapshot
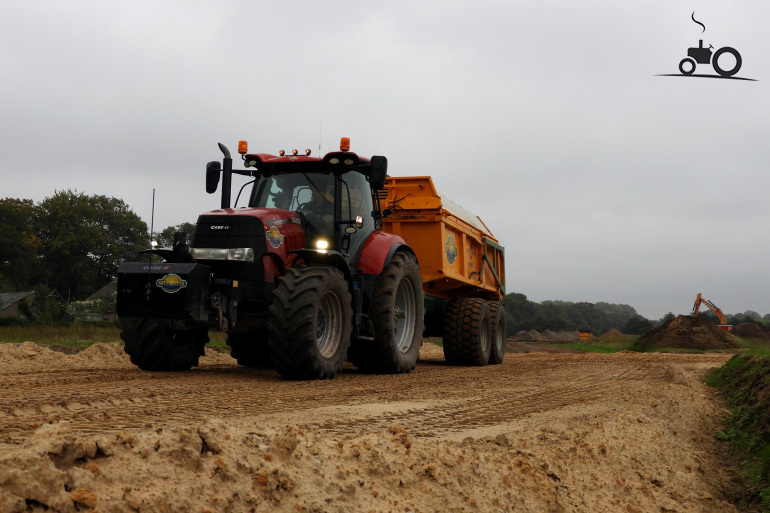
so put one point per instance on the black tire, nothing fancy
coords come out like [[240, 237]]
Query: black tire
[[499, 332], [311, 318], [467, 332], [688, 61], [250, 349], [397, 311], [154, 345], [729, 72]]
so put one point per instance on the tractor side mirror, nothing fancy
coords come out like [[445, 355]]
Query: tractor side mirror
[[378, 172], [213, 169]]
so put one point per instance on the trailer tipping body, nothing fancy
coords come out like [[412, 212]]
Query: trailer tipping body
[[458, 255]]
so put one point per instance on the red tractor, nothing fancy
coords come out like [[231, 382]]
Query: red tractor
[[301, 278]]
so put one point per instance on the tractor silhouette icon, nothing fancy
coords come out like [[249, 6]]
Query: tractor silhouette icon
[[703, 55]]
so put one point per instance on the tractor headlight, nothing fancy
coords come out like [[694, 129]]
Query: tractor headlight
[[322, 245], [236, 254]]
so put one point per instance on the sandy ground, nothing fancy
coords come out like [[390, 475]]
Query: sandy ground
[[543, 432]]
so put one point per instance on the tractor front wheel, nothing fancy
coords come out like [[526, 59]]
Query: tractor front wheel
[[311, 318], [154, 345], [687, 66], [397, 312]]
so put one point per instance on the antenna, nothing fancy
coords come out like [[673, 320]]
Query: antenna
[[148, 287], [152, 217], [319, 138]]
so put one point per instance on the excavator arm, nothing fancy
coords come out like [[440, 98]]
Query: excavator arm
[[714, 308]]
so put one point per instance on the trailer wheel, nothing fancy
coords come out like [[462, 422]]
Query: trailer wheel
[[154, 345], [250, 349], [397, 312], [311, 318], [467, 332], [497, 313]]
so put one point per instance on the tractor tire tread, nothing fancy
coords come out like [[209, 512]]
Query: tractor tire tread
[[382, 355], [153, 345], [292, 326]]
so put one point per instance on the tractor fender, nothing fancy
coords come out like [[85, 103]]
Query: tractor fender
[[378, 250], [330, 258], [274, 267]]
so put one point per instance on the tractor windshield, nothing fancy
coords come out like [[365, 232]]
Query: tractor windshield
[[313, 196], [291, 191]]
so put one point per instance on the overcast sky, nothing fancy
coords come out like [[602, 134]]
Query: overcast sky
[[603, 180]]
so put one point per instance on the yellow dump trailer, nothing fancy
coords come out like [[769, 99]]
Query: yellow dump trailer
[[458, 255], [461, 265]]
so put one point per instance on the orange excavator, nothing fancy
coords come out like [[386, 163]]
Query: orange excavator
[[699, 300]]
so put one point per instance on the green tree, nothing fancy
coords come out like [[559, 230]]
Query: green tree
[[84, 239], [47, 308], [637, 325], [165, 238], [524, 315], [18, 245], [668, 317], [617, 315], [708, 316], [520, 312]]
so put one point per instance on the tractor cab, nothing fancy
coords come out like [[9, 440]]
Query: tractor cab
[[336, 208], [336, 196]]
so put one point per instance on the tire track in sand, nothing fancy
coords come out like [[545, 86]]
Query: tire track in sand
[[433, 399]]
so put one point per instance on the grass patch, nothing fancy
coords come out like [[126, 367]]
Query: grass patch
[[79, 335], [756, 346], [610, 345], [685, 350], [82, 334], [744, 381]]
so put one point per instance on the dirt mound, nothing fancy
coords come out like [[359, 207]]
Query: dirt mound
[[550, 335], [521, 336], [750, 330], [611, 333], [568, 335], [218, 466], [102, 354], [28, 354], [686, 332]]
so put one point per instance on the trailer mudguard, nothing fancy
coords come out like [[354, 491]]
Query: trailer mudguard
[[163, 291]]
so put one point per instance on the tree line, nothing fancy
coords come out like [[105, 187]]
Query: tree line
[[71, 242], [524, 315]]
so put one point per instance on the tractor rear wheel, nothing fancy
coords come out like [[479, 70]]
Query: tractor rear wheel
[[154, 345], [726, 72], [397, 312], [497, 312], [467, 332], [311, 318], [250, 349]]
